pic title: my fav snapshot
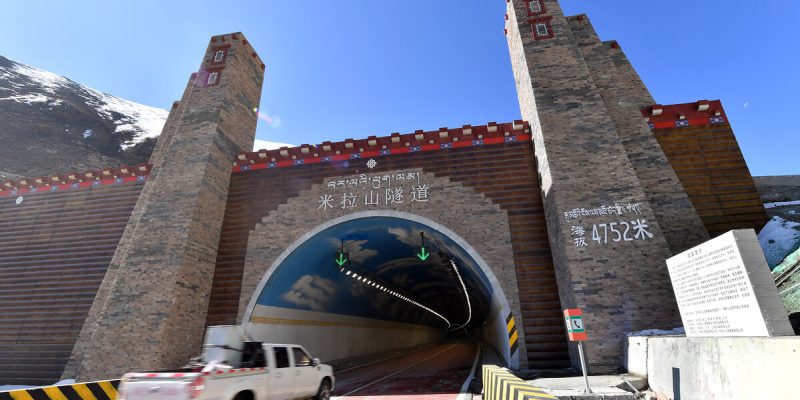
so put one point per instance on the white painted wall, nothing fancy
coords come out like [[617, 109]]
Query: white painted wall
[[719, 368], [333, 337]]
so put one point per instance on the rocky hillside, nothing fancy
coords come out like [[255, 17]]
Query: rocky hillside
[[49, 124]]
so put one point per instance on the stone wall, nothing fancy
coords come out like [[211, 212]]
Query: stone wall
[[583, 164], [153, 314], [503, 174]]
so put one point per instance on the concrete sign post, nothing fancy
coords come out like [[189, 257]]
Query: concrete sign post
[[576, 331], [724, 288]]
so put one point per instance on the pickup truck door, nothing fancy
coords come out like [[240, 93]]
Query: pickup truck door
[[281, 384], [305, 374]]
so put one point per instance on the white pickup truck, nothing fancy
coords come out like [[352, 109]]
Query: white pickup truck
[[232, 368]]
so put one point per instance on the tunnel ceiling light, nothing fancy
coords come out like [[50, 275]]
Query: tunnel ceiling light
[[398, 295], [464, 288]]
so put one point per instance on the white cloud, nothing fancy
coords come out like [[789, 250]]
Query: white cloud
[[312, 292], [746, 104], [267, 145]]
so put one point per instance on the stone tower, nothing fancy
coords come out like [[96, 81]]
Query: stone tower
[[615, 209], [151, 308]]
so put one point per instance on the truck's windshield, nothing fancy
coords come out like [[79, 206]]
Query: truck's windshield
[[301, 359]]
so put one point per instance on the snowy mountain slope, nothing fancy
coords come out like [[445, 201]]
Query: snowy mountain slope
[[50, 124]]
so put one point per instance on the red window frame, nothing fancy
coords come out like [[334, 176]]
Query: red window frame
[[202, 76], [546, 22], [214, 50], [531, 13]]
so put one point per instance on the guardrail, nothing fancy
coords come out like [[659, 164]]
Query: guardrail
[[100, 390], [500, 384]]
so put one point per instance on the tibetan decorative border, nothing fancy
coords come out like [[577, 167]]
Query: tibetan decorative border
[[444, 138], [700, 113], [72, 181]]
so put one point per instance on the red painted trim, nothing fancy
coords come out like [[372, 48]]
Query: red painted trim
[[699, 113], [63, 182], [383, 146]]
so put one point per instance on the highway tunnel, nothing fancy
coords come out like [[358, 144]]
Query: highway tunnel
[[370, 284]]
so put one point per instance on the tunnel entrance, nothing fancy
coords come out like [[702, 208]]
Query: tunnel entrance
[[377, 281]]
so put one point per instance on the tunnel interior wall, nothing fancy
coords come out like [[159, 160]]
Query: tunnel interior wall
[[335, 337]]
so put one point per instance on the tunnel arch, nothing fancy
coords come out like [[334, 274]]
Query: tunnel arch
[[473, 221], [500, 306]]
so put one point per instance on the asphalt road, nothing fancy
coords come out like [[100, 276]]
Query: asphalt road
[[435, 373]]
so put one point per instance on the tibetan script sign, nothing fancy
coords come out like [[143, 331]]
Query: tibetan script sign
[[623, 224], [374, 190], [724, 288]]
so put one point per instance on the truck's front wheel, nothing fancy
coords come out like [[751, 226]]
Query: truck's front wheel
[[324, 392]]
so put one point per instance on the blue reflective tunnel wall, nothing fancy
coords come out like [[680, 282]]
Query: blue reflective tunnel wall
[[366, 285]]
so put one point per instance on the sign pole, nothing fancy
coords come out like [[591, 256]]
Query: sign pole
[[576, 332], [583, 368]]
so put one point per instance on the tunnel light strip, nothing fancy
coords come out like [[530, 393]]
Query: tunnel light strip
[[378, 286], [463, 286]]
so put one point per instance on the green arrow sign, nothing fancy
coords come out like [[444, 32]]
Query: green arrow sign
[[341, 258], [423, 254]]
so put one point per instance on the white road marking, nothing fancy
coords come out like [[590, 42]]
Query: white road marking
[[391, 375], [463, 394]]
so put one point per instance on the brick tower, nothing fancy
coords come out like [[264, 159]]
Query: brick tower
[[150, 310], [604, 177]]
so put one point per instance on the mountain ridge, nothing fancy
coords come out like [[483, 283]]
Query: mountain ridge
[[51, 124]]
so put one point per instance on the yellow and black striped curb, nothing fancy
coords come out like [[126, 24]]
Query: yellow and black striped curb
[[101, 390], [513, 337], [500, 384]]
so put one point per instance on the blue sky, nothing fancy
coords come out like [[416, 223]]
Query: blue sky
[[354, 68]]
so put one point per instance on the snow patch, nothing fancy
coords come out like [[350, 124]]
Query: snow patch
[[47, 80], [778, 239], [29, 98], [658, 332], [782, 203], [5, 388], [145, 120], [267, 145]]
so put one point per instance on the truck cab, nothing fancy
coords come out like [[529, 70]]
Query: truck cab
[[233, 369]]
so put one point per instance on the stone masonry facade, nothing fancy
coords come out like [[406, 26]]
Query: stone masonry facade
[[583, 134], [151, 312], [577, 206], [475, 218]]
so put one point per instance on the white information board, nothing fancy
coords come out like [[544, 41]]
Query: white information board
[[724, 288]]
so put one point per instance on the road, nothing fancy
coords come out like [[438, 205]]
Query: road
[[435, 373]]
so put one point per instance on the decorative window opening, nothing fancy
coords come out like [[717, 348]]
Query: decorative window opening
[[219, 56], [541, 29], [536, 7], [212, 78]]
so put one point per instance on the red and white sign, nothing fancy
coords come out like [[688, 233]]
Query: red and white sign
[[576, 331]]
